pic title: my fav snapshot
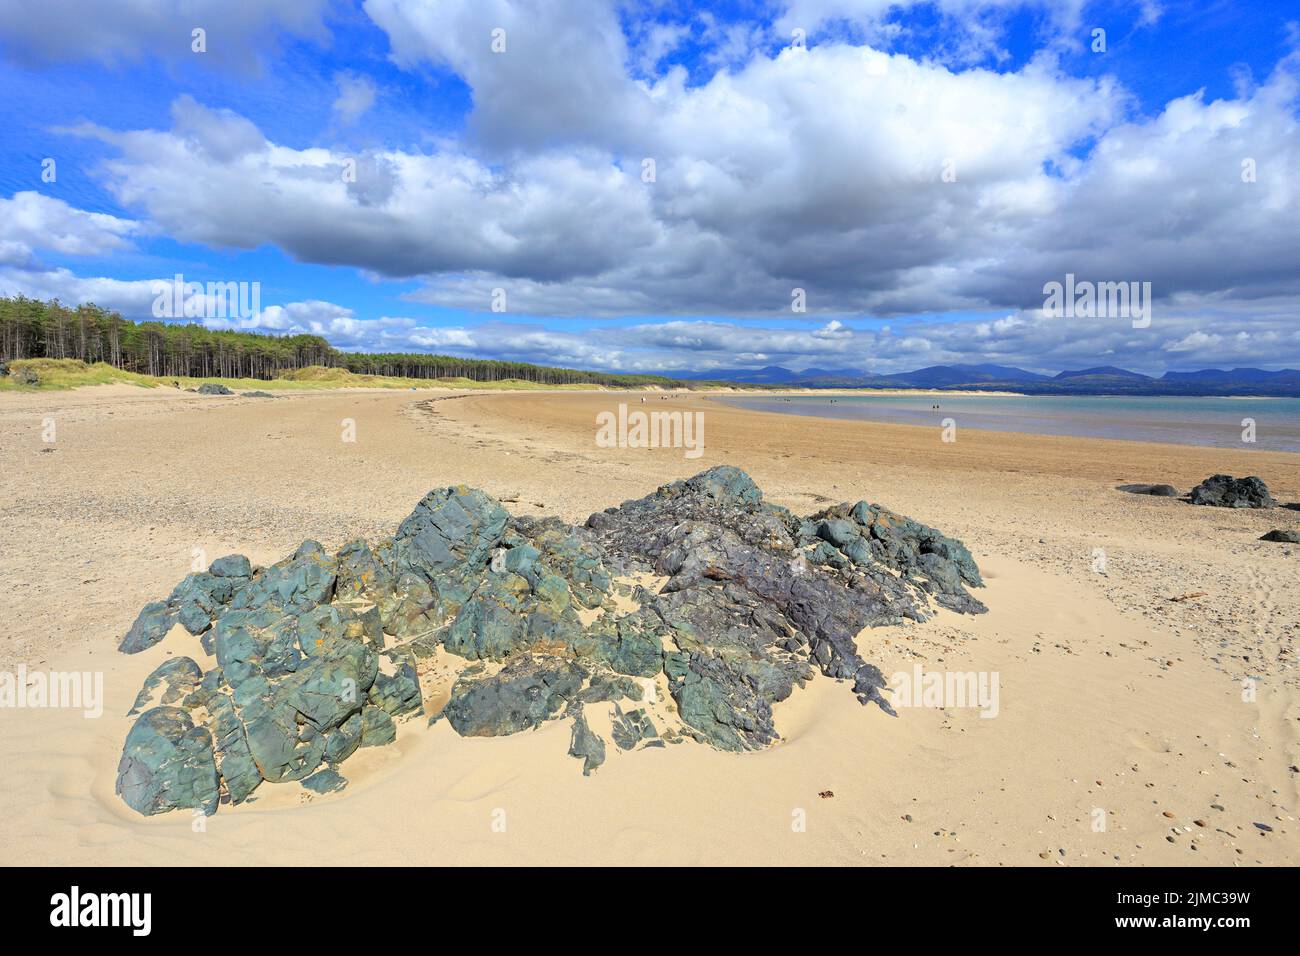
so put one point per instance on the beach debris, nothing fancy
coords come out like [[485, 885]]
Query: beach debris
[[1187, 597], [1282, 535], [1159, 491], [214, 388], [1225, 491], [322, 654]]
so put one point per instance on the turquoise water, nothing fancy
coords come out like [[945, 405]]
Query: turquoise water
[[1175, 420]]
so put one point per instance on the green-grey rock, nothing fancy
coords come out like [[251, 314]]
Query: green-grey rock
[[167, 764], [180, 676], [234, 758], [631, 728], [150, 627], [328, 780], [750, 600], [587, 744], [377, 727], [526, 692]]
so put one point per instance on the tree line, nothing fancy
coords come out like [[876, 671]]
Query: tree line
[[30, 328]]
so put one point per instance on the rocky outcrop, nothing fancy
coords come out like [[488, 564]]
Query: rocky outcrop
[[1225, 491], [193, 603], [1158, 491], [739, 602], [214, 388]]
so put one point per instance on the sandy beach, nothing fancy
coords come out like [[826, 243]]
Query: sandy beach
[[1124, 735]]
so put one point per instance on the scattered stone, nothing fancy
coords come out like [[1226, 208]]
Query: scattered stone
[[1283, 536], [25, 376], [826, 794], [328, 780], [1158, 491], [632, 728], [586, 744], [1225, 491]]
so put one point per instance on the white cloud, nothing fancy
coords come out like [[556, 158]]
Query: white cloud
[[1029, 340], [112, 31], [133, 298], [560, 78], [30, 221], [971, 30], [356, 97]]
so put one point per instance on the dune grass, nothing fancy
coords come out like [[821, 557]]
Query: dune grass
[[57, 374]]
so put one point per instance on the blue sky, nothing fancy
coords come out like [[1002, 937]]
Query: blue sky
[[919, 169]]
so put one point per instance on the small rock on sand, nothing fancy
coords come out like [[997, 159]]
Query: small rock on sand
[[1158, 491]]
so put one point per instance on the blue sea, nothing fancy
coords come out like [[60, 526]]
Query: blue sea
[[1175, 420]]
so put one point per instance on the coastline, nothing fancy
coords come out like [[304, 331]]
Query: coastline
[[1207, 422]]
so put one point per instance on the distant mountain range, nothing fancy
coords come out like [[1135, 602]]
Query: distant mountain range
[[1102, 380]]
